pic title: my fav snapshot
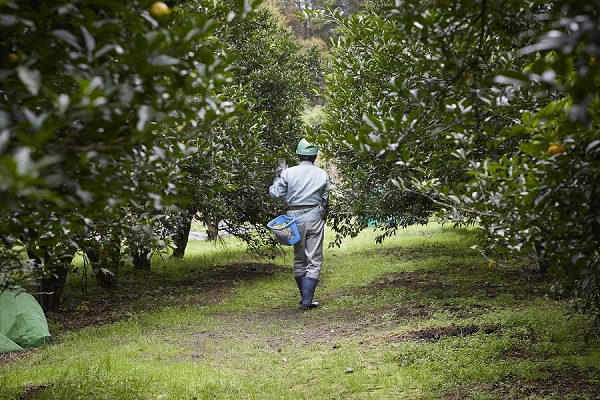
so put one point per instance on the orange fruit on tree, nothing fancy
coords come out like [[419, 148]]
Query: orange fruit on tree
[[13, 58], [556, 149], [159, 9]]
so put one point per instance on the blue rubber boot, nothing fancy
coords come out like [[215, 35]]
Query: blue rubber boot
[[299, 280], [308, 292]]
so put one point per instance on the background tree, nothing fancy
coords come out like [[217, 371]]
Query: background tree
[[270, 84], [435, 98], [408, 85]]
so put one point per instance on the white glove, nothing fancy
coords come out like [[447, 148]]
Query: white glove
[[280, 166]]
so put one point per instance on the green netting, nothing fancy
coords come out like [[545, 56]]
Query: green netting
[[22, 320]]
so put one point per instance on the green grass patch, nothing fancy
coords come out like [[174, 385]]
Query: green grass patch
[[421, 316]]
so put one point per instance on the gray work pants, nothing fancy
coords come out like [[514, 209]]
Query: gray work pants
[[308, 252]]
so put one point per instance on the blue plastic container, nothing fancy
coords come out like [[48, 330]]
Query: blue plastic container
[[285, 230]]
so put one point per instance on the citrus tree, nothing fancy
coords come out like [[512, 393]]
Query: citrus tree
[[547, 196], [91, 97], [270, 83], [486, 112], [410, 83]]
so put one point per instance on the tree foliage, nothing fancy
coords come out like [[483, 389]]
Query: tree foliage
[[546, 197], [459, 106], [91, 96], [118, 125], [269, 86]]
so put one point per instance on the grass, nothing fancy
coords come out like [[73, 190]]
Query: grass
[[420, 317]]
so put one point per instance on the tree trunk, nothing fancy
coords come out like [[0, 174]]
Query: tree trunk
[[181, 239], [50, 287], [141, 257], [105, 263], [542, 260], [212, 228]]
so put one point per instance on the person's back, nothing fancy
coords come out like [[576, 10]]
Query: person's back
[[302, 185], [304, 188]]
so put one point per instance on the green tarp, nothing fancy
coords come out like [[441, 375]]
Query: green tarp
[[22, 322], [7, 345]]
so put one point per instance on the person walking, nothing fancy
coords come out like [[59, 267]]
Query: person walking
[[304, 188]]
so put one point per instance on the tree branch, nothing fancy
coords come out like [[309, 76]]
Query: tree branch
[[483, 16]]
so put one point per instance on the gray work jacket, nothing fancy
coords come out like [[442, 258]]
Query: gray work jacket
[[302, 185]]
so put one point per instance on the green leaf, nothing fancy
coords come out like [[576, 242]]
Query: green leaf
[[512, 78], [373, 122], [31, 78], [592, 145], [162, 60], [145, 114], [90, 42], [67, 37]]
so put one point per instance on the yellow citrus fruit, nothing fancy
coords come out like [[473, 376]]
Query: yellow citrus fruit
[[556, 149], [14, 58], [443, 3], [159, 9]]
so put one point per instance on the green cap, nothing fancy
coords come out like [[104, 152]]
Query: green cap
[[305, 148]]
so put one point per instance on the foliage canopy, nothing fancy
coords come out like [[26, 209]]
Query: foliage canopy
[[483, 112]]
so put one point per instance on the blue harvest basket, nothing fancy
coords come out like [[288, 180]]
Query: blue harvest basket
[[285, 229]]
